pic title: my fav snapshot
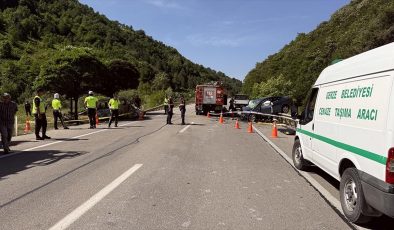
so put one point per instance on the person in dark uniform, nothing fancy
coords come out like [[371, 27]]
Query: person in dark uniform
[[231, 107], [28, 108], [170, 110], [39, 115], [137, 101], [8, 110], [182, 108]]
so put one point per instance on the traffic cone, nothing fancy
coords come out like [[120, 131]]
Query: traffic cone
[[208, 115], [250, 128], [27, 126], [221, 118], [237, 124], [274, 132], [97, 119]]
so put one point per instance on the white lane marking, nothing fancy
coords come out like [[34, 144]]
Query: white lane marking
[[57, 142], [324, 192], [184, 129], [82, 209]]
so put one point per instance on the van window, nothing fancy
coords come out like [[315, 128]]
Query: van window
[[311, 106]]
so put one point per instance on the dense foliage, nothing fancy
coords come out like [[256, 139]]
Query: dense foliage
[[360, 26], [68, 48]]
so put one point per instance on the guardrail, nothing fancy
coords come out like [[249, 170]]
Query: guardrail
[[285, 119]]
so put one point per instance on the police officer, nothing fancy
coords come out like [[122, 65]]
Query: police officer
[[114, 108], [170, 110], [91, 106], [57, 114], [39, 115], [28, 109], [182, 108], [231, 102], [165, 104]]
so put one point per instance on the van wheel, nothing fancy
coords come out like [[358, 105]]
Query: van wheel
[[298, 159], [352, 197]]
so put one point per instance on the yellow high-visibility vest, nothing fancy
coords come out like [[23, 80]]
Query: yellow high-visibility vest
[[56, 104], [91, 102], [114, 103], [41, 106]]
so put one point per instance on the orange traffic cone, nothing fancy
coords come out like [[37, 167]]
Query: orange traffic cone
[[208, 115], [274, 132], [27, 126], [237, 124], [250, 128], [97, 119], [221, 118]]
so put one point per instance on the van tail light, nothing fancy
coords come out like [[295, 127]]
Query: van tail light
[[390, 167]]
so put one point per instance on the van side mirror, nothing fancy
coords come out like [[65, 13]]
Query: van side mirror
[[301, 118]]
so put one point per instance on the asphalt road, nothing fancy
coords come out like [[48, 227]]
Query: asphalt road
[[148, 175]]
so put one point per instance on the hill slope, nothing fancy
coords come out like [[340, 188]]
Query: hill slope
[[33, 32], [360, 26]]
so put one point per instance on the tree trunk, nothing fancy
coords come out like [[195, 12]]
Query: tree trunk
[[71, 105], [76, 107]]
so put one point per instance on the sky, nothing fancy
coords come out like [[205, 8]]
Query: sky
[[230, 36]]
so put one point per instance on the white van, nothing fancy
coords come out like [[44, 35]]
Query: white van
[[347, 130]]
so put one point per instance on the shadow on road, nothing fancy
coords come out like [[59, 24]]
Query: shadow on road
[[383, 222], [15, 143], [27, 160], [69, 139], [316, 170]]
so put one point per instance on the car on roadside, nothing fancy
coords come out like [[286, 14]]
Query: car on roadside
[[266, 105]]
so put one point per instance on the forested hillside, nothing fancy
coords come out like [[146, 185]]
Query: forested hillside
[[360, 26], [68, 48]]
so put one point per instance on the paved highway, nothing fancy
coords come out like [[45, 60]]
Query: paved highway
[[148, 175]]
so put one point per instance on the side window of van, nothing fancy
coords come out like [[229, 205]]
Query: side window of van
[[311, 106]]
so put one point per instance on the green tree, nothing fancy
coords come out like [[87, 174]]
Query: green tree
[[161, 82], [5, 49], [72, 72], [121, 75]]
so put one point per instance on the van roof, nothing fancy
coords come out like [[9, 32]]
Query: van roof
[[376, 60]]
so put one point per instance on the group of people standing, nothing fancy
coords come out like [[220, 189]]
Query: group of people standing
[[169, 109], [38, 109], [91, 104]]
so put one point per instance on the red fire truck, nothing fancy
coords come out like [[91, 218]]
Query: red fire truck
[[210, 97]]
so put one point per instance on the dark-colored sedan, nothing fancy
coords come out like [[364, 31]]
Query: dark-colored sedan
[[267, 105]]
